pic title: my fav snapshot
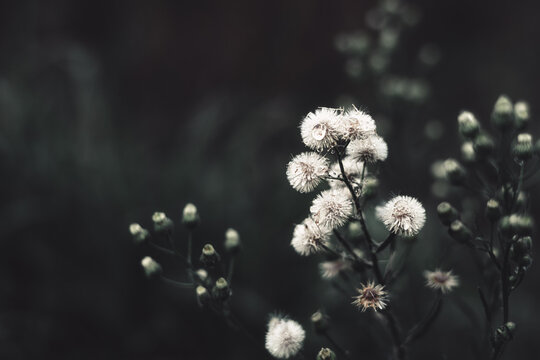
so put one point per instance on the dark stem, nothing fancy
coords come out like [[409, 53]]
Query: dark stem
[[175, 283], [420, 329]]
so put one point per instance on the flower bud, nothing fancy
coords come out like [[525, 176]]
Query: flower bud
[[190, 216], [502, 113], [203, 296], [162, 223], [524, 244], [139, 234], [521, 199], [516, 224], [232, 241], [523, 147], [447, 213], [326, 354], [202, 274], [221, 289], [355, 230], [483, 145], [455, 173], [209, 256], [320, 321], [467, 152], [526, 261], [493, 210], [505, 332], [151, 267], [521, 115], [468, 125], [459, 232]]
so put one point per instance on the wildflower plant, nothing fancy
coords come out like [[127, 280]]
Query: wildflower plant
[[494, 176], [210, 283], [346, 151]]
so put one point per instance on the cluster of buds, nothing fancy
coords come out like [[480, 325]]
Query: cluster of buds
[[373, 51], [211, 287], [493, 176]]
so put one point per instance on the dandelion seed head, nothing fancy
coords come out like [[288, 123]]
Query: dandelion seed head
[[356, 124], [370, 149], [371, 296], [444, 281], [332, 208], [402, 215], [284, 338], [305, 171], [308, 237], [318, 129]]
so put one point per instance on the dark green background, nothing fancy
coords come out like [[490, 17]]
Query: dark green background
[[112, 110]]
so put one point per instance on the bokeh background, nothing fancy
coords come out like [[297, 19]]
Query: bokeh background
[[111, 110]]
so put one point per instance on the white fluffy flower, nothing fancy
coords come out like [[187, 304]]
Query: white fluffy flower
[[356, 124], [370, 149], [308, 237], [444, 281], [332, 208], [402, 215], [305, 171], [353, 169], [319, 128], [284, 337]]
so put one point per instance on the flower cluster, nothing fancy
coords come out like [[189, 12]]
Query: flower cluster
[[491, 177]]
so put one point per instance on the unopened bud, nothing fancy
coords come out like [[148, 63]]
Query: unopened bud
[[521, 199], [483, 145], [190, 216], [505, 332], [523, 147], [162, 223], [320, 321], [524, 244], [460, 232], [151, 267], [203, 296], [447, 213], [326, 354], [468, 125], [467, 152], [516, 224], [502, 113], [202, 274], [232, 241], [138, 232], [526, 261], [355, 229], [221, 289], [209, 256], [521, 115], [493, 210], [455, 173]]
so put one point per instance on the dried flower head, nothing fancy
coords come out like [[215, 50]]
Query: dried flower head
[[356, 124], [284, 338], [332, 208], [370, 149], [308, 237], [444, 281], [305, 171], [371, 296], [331, 269], [402, 215], [319, 128]]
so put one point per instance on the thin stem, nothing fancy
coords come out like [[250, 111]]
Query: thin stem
[[346, 245], [398, 345], [231, 269], [161, 248], [386, 242], [419, 329], [178, 284]]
